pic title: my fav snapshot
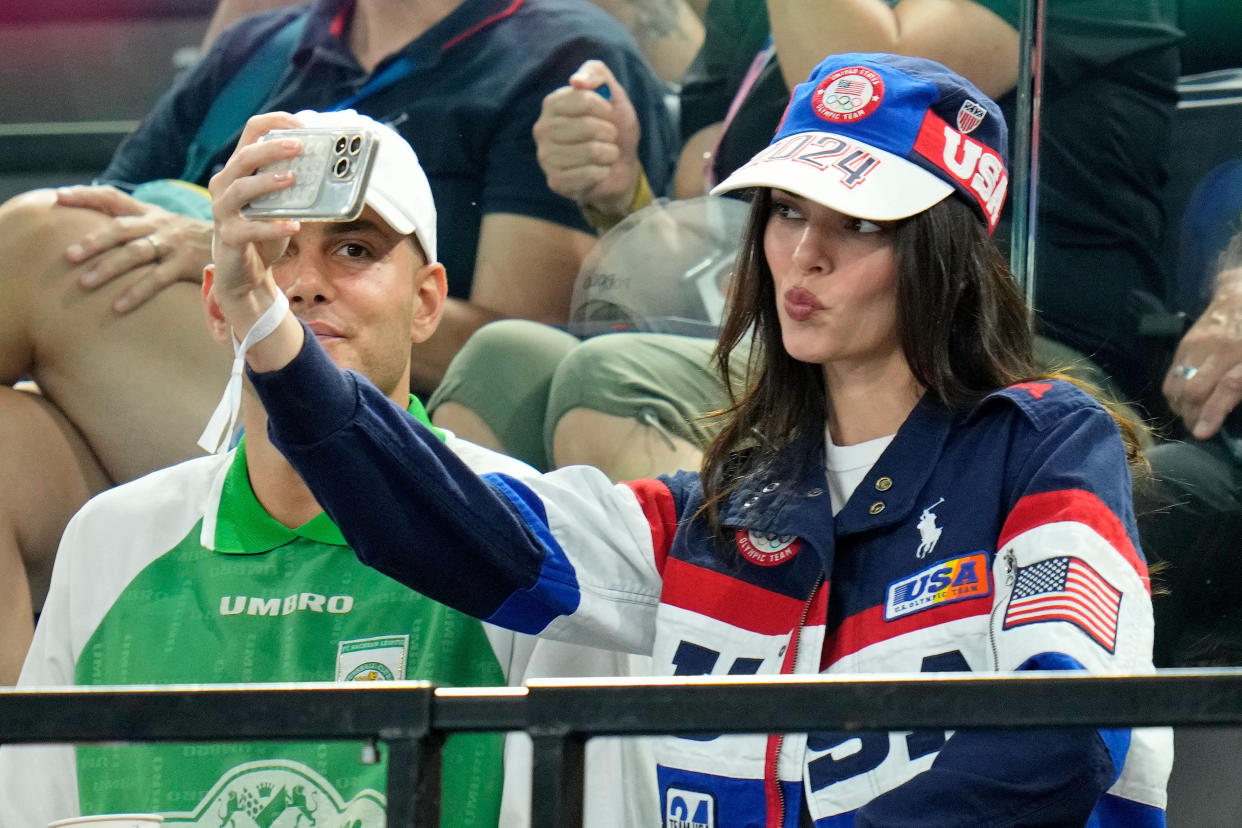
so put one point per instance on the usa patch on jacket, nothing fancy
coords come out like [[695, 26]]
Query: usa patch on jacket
[[941, 583]]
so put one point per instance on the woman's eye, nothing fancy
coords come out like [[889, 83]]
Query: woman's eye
[[863, 226], [785, 210]]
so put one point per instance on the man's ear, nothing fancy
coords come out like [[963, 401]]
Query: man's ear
[[430, 293], [216, 323]]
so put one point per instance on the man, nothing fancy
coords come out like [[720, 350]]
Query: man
[[225, 569], [96, 308]]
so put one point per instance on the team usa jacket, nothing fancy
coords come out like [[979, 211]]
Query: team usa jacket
[[1002, 539]]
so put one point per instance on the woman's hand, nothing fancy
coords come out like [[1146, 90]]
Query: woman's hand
[[166, 247]]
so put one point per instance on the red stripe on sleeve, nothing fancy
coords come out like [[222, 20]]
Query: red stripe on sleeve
[[656, 501], [729, 600], [1077, 506]]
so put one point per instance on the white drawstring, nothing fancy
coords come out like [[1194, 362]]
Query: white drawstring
[[219, 431]]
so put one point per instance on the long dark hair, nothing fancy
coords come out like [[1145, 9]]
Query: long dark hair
[[962, 322]]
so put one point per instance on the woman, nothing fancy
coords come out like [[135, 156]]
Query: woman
[[896, 488]]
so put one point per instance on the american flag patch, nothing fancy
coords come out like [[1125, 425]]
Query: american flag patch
[[852, 86], [1066, 589]]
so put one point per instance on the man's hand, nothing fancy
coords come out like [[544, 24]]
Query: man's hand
[[587, 140], [243, 249], [1204, 382], [168, 247]]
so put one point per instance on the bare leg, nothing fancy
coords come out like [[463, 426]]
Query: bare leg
[[624, 448], [48, 474], [139, 386], [123, 395]]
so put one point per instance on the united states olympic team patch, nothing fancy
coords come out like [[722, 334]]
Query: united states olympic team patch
[[848, 94], [766, 548]]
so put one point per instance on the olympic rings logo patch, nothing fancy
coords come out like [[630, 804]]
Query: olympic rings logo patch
[[848, 94]]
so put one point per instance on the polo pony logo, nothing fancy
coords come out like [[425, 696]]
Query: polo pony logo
[[929, 532]]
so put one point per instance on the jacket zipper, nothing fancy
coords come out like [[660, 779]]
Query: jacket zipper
[[1010, 567], [791, 658]]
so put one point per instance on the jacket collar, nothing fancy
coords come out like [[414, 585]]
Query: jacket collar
[[788, 502]]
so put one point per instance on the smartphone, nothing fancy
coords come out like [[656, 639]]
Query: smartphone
[[330, 175]]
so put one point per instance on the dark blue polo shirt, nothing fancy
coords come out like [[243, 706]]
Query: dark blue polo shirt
[[467, 107]]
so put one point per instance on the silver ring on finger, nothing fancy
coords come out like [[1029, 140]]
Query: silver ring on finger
[[155, 248], [1186, 372]]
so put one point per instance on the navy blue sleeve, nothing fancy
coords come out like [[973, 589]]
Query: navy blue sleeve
[[995, 778], [406, 504]]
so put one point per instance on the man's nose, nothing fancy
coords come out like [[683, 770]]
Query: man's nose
[[306, 283]]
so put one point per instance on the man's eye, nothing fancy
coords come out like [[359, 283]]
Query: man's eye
[[353, 250]]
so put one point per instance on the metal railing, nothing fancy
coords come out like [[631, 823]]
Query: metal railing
[[412, 719]]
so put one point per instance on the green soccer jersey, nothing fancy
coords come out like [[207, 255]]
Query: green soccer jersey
[[182, 577]]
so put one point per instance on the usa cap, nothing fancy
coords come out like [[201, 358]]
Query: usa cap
[[882, 137], [398, 188]]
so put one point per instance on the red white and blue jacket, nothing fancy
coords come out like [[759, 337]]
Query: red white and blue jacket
[[999, 540]]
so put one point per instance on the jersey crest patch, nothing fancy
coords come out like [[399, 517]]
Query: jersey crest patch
[[689, 809], [280, 795], [766, 548], [372, 659], [939, 584]]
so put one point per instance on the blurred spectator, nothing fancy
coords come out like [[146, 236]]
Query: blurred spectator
[[125, 393], [669, 32], [1194, 523]]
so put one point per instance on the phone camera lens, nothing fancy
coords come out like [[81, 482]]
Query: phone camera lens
[[355, 144], [342, 167], [341, 144]]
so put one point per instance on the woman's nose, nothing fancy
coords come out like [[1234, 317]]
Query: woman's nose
[[812, 250]]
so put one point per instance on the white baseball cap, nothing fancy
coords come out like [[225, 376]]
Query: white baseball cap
[[881, 137], [398, 188]]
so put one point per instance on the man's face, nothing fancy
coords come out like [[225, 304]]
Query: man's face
[[354, 285]]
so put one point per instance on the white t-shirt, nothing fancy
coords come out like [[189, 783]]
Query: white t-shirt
[[846, 466]]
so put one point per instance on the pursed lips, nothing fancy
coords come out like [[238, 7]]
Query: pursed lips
[[801, 304]]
